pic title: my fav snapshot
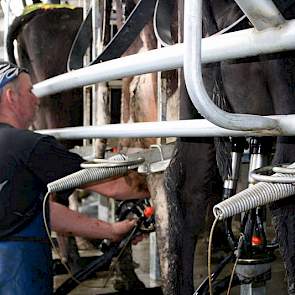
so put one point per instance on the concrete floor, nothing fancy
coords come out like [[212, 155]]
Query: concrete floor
[[277, 285], [97, 286]]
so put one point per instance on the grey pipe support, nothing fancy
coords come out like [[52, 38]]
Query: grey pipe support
[[262, 14], [262, 174], [277, 178], [194, 81]]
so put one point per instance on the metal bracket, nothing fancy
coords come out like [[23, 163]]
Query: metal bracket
[[157, 157], [157, 166]]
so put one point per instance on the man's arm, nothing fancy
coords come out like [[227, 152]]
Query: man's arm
[[131, 186], [69, 222], [59, 162]]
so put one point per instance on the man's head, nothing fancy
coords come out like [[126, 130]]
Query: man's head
[[18, 105], [9, 72]]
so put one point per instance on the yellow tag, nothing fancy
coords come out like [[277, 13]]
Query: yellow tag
[[30, 8]]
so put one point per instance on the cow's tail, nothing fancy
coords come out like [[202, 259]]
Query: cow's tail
[[13, 31], [223, 144]]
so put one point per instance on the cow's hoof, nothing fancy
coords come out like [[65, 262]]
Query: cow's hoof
[[128, 282]]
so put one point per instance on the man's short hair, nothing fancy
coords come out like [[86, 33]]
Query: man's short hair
[[9, 72]]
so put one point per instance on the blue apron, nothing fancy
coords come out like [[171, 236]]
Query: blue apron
[[26, 266]]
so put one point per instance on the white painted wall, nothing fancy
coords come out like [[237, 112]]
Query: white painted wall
[[1, 33]]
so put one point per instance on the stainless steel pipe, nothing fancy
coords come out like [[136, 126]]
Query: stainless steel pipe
[[182, 128], [263, 14], [194, 81], [216, 48]]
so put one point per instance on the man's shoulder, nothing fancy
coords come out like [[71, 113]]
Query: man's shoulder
[[21, 138], [22, 134]]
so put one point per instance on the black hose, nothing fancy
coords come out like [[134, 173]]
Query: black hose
[[101, 262]]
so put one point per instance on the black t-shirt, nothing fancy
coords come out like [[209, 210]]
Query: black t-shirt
[[28, 162]]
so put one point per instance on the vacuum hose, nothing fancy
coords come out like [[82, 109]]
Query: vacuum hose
[[89, 175], [257, 195], [85, 176]]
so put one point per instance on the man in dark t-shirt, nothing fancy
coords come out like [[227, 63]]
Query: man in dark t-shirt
[[28, 162]]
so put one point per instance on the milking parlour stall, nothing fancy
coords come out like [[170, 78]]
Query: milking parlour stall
[[197, 97]]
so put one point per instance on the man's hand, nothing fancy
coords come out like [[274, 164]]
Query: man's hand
[[72, 223], [121, 228]]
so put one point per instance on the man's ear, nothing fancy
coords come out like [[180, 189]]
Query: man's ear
[[10, 95]]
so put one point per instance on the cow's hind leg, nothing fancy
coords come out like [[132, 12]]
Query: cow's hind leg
[[281, 77], [189, 181]]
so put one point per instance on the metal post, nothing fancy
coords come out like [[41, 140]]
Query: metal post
[[154, 258], [86, 90], [95, 40], [162, 98]]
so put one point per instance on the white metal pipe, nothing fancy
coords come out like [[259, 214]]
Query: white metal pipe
[[216, 48], [182, 128], [262, 14], [194, 81], [247, 43], [150, 61]]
